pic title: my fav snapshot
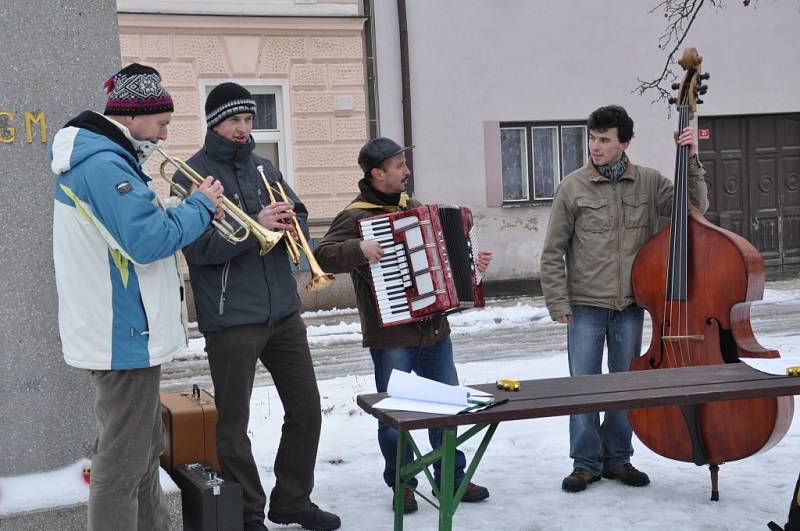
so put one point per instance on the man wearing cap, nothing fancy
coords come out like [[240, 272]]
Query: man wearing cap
[[248, 310], [422, 346], [120, 293]]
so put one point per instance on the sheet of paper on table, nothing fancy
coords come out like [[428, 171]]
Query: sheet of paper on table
[[409, 392]]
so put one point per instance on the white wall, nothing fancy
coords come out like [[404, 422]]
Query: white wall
[[389, 80], [473, 61]]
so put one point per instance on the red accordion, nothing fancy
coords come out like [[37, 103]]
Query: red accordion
[[428, 266]]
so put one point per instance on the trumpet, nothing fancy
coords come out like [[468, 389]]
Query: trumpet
[[319, 278], [245, 225], [288, 240]]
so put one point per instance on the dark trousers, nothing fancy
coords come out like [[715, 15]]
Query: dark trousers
[[283, 349]]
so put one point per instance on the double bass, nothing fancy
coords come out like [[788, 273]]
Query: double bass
[[697, 281]]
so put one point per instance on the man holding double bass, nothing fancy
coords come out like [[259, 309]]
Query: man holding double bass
[[602, 214]]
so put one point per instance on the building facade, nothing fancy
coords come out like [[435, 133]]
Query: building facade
[[499, 94], [303, 62]]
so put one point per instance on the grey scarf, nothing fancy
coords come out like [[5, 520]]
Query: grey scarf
[[614, 171]]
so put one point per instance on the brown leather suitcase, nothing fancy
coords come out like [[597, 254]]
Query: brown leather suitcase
[[190, 421]]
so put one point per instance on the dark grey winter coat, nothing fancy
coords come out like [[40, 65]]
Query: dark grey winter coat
[[232, 284]]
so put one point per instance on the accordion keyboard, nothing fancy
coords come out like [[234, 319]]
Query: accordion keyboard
[[403, 265], [428, 266]]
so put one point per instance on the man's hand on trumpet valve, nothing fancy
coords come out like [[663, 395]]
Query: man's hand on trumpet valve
[[212, 189], [278, 216]]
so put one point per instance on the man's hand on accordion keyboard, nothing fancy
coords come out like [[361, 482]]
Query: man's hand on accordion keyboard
[[371, 250], [483, 260]]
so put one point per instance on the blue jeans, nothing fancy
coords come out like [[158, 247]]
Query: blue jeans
[[594, 446], [434, 362]]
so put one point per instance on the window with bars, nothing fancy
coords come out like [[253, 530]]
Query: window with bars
[[535, 156]]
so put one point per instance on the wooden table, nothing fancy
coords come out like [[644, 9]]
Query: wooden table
[[561, 396]]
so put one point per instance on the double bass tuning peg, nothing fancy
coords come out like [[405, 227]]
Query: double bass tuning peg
[[672, 100], [699, 101], [704, 76], [676, 86], [702, 89]]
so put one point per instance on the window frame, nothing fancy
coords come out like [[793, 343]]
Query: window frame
[[282, 135], [529, 127]]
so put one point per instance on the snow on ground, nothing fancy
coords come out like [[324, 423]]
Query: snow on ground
[[523, 467]]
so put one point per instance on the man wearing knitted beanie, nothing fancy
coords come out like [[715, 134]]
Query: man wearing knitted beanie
[[248, 310], [119, 288]]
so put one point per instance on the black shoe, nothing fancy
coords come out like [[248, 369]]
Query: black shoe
[[313, 518], [628, 474], [578, 480], [409, 501], [473, 494], [255, 525]]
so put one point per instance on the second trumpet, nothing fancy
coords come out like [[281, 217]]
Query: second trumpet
[[319, 278]]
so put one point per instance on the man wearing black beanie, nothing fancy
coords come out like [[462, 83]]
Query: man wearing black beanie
[[248, 310]]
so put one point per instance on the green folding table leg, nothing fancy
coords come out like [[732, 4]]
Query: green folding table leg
[[447, 498], [399, 483]]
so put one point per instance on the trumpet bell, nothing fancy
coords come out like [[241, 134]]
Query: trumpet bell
[[320, 281]]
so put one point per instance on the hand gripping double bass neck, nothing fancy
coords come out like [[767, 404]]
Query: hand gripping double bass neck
[[697, 282]]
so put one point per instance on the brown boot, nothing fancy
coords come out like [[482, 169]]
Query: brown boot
[[578, 480], [628, 474], [409, 501]]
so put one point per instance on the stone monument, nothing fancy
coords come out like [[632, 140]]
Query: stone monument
[[54, 57]]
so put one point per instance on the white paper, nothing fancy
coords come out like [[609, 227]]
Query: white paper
[[413, 387], [772, 365], [404, 404]]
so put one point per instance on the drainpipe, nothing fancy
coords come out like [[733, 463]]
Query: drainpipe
[[369, 53], [406, 80]]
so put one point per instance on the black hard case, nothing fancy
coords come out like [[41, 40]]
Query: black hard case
[[210, 502]]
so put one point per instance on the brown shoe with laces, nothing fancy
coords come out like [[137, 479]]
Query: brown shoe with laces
[[628, 474], [578, 480]]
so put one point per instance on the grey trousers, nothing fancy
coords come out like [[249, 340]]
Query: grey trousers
[[125, 492], [283, 349]]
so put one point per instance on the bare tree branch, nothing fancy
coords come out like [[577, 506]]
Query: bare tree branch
[[680, 15]]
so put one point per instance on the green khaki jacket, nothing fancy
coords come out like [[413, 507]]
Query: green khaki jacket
[[339, 251], [596, 228]]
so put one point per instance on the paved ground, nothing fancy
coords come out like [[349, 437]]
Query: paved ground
[[768, 319]]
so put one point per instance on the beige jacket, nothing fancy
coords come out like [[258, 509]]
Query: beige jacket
[[596, 228]]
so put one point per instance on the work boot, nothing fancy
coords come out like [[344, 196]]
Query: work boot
[[578, 480], [409, 501], [313, 518], [473, 494], [628, 474]]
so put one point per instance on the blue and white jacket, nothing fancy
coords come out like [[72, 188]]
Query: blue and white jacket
[[119, 287]]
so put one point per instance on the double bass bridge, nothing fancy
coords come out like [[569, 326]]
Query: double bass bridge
[[684, 338]]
